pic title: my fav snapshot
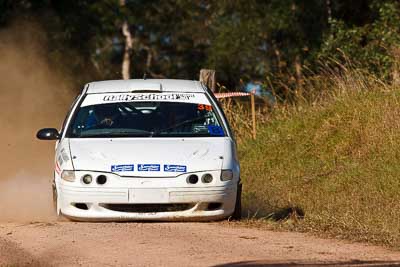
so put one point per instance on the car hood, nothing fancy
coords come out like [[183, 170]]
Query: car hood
[[147, 157]]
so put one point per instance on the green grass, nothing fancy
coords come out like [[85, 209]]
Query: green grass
[[339, 161]]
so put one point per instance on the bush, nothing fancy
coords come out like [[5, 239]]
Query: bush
[[372, 46]]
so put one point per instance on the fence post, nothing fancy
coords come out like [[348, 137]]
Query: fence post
[[253, 112], [208, 78]]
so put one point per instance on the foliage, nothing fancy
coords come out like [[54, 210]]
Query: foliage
[[370, 45], [273, 41]]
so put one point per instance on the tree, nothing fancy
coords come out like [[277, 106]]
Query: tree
[[272, 40]]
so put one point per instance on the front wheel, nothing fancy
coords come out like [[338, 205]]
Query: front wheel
[[237, 213]]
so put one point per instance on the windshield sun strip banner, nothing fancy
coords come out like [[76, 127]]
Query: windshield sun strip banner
[[96, 99]]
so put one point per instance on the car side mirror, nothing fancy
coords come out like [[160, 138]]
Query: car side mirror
[[48, 134]]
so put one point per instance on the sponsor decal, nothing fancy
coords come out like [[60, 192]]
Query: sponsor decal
[[194, 98], [204, 107], [215, 130], [148, 167], [122, 168], [147, 97], [174, 168]]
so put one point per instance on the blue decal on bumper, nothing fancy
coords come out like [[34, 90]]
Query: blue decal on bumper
[[148, 167], [174, 168], [122, 168]]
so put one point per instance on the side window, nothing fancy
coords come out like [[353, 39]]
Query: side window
[[69, 113]]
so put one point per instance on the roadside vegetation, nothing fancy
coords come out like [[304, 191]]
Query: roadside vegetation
[[329, 162]]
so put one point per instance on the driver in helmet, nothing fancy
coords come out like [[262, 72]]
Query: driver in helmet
[[106, 115]]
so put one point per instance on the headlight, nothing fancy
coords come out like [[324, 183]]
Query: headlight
[[226, 175], [68, 176]]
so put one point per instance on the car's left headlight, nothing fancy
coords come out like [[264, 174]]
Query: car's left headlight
[[68, 176]]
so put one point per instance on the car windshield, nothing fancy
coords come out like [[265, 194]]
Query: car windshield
[[145, 119]]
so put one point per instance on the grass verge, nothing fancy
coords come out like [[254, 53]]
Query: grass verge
[[336, 160]]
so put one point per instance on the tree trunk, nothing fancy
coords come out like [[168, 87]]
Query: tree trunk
[[329, 11], [126, 61]]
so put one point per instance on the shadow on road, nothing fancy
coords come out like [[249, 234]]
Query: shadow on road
[[354, 263]]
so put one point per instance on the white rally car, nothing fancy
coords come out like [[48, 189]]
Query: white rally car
[[145, 150]]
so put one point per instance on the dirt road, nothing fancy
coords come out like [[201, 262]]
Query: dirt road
[[176, 244]]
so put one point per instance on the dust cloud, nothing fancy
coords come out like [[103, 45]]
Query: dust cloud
[[33, 95]]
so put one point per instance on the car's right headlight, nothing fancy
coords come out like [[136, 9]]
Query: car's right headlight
[[226, 175], [68, 176]]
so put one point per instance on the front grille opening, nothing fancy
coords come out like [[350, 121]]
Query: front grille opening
[[214, 206], [147, 208], [81, 206]]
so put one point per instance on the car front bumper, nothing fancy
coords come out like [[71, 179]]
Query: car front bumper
[[141, 202]]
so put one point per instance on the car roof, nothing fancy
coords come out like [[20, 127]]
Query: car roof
[[156, 85]]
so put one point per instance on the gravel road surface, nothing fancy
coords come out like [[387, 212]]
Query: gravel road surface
[[176, 244]]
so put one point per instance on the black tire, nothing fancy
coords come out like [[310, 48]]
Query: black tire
[[237, 213], [54, 190]]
